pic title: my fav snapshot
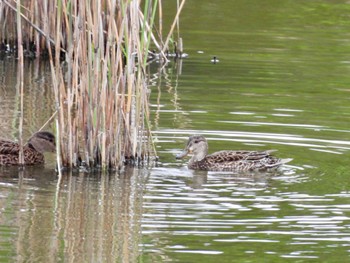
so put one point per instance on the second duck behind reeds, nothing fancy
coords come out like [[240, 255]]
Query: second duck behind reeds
[[33, 151], [239, 161]]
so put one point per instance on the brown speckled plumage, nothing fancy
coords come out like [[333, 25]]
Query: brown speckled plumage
[[227, 160], [33, 151]]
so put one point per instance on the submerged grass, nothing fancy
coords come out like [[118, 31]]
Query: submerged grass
[[98, 51]]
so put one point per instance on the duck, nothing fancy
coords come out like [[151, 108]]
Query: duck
[[238, 161], [33, 150]]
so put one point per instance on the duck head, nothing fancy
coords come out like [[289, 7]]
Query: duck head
[[43, 142], [196, 145]]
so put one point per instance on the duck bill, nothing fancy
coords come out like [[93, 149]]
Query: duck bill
[[182, 154]]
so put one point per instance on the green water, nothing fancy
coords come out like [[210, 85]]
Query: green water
[[282, 83]]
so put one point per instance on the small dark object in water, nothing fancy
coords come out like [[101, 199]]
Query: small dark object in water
[[214, 60]]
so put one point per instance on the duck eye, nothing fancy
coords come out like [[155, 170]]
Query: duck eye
[[196, 141]]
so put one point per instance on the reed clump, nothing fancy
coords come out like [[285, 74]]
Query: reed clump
[[98, 51]]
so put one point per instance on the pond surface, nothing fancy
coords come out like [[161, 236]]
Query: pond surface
[[282, 82]]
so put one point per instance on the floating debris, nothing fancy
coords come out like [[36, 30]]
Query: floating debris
[[214, 60]]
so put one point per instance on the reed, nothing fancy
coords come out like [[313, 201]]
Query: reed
[[20, 84], [98, 51]]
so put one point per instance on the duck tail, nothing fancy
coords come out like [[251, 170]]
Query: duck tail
[[286, 160], [270, 151]]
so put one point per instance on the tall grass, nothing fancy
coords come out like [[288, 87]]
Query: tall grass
[[98, 52]]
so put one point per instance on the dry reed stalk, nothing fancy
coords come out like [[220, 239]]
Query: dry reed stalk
[[175, 22], [20, 83], [101, 87]]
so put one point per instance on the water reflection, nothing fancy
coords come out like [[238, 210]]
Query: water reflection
[[166, 213], [38, 102], [78, 218], [232, 209]]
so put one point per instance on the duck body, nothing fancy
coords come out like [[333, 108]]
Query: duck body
[[240, 161], [33, 151]]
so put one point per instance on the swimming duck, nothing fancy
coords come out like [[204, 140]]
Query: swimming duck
[[239, 161], [33, 151]]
